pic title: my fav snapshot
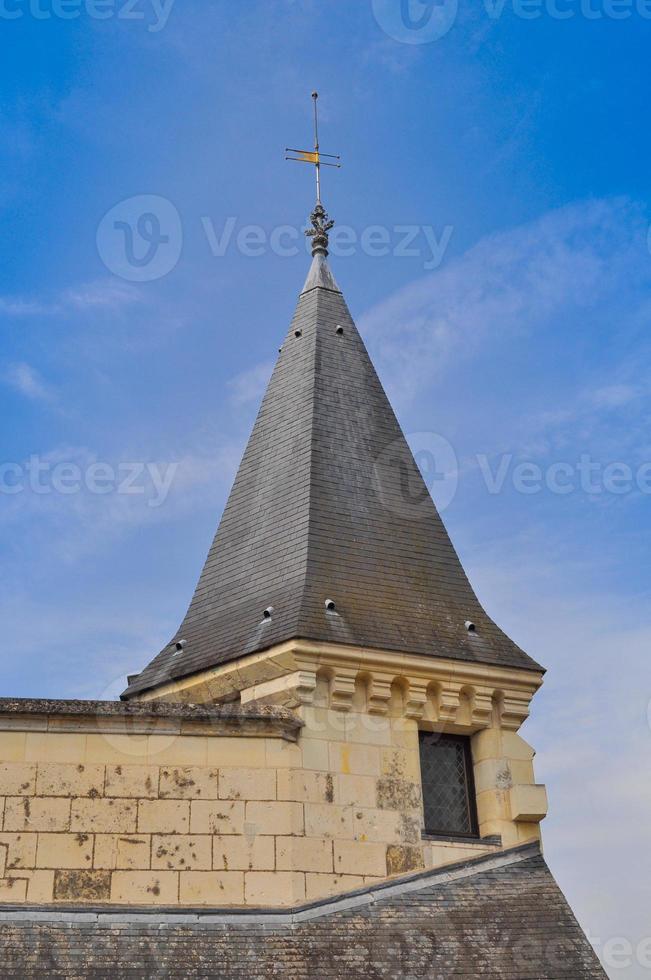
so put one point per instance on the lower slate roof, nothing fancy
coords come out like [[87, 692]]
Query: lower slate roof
[[500, 917], [328, 503]]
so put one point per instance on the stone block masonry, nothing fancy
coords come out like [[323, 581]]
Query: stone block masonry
[[164, 804]]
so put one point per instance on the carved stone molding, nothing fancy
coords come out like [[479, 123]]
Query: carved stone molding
[[416, 700], [469, 696], [379, 694], [449, 702], [482, 706], [342, 689], [514, 710]]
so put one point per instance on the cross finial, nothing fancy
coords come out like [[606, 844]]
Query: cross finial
[[321, 224]]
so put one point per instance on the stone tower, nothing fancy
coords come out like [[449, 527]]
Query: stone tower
[[332, 588], [322, 773]]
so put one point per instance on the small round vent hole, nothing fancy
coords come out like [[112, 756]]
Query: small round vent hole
[[340, 331], [298, 333], [268, 613], [330, 605], [471, 627]]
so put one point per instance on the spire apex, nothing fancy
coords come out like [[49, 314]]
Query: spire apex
[[321, 223]]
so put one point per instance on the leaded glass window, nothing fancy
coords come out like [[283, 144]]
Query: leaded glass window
[[448, 788]]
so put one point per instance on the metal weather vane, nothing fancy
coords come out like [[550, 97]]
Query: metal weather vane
[[321, 223]]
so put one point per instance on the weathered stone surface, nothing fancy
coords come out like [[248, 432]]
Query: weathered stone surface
[[188, 783], [82, 886], [217, 817], [180, 852], [357, 858], [56, 779], [103, 816], [402, 858], [304, 854], [274, 888], [64, 851], [275, 818], [397, 794], [248, 784], [122, 851], [21, 850], [17, 779], [244, 853], [163, 817], [34, 814], [213, 888], [136, 782], [145, 887]]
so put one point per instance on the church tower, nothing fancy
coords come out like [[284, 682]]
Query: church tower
[[332, 588], [322, 773]]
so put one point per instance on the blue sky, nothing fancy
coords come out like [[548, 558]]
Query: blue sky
[[513, 151]]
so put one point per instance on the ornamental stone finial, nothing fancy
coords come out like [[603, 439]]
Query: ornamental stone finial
[[321, 225]]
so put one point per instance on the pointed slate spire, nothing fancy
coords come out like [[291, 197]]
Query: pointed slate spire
[[328, 506]]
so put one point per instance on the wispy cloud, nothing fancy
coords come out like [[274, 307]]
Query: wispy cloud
[[107, 294], [589, 724], [511, 285], [28, 382], [80, 503], [249, 386]]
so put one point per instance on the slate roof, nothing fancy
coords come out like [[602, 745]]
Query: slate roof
[[499, 917], [328, 503]]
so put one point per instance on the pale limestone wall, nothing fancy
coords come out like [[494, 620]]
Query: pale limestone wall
[[196, 816], [375, 702]]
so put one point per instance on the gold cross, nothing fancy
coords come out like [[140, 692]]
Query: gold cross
[[314, 156]]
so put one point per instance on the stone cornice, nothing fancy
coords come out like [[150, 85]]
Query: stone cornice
[[440, 690], [152, 717]]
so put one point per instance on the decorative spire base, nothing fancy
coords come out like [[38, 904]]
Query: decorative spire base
[[321, 225]]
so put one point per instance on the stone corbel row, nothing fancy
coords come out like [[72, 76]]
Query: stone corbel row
[[440, 701]]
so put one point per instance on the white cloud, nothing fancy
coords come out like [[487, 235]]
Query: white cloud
[[26, 380], [58, 499], [613, 396], [510, 284], [249, 386], [588, 724], [108, 294]]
